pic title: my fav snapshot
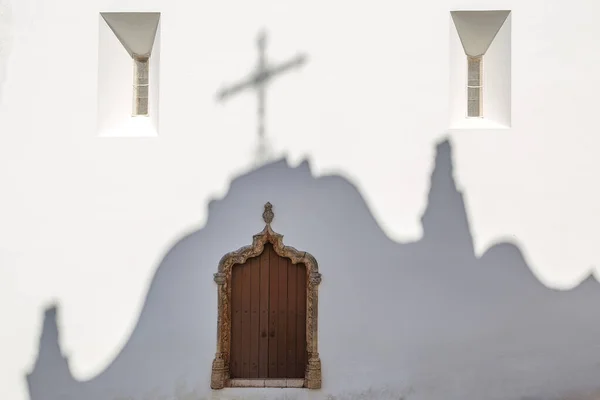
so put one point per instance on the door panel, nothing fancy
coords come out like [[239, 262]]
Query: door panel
[[282, 305], [268, 324], [235, 364], [246, 328], [291, 324], [263, 358], [300, 344], [273, 309], [254, 317]]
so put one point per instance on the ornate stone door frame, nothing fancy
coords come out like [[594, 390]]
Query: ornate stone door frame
[[220, 365]]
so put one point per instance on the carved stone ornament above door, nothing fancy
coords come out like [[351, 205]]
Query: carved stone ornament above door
[[221, 376]]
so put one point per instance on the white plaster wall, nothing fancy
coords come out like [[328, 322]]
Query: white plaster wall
[[5, 39], [85, 221]]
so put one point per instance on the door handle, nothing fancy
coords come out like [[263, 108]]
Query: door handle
[[263, 334], [272, 334]]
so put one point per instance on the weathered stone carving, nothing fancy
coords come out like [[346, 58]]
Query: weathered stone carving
[[220, 365], [268, 214]]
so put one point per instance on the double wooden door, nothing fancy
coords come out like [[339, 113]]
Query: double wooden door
[[268, 318]]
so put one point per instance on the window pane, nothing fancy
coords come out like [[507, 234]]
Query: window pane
[[140, 100], [141, 72], [140, 107], [474, 102], [473, 110], [474, 78], [140, 92], [474, 94]]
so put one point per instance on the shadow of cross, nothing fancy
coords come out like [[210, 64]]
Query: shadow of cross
[[257, 80]]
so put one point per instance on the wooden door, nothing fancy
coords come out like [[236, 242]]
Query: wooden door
[[268, 318]]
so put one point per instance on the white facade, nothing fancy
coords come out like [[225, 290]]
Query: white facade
[[85, 220]]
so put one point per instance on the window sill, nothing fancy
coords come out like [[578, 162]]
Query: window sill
[[477, 123], [134, 127], [266, 383]]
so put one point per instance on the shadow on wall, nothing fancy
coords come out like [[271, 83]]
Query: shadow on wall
[[419, 320]]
